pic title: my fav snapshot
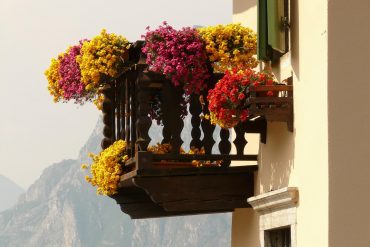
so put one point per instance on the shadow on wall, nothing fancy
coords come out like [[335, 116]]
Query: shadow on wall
[[276, 159], [242, 6]]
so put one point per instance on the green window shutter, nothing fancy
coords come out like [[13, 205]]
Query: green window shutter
[[275, 25], [272, 31], [262, 30]]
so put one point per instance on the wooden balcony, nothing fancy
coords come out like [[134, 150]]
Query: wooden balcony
[[157, 189], [158, 185]]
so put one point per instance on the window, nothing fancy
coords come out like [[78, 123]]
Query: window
[[278, 217], [278, 237], [273, 29]]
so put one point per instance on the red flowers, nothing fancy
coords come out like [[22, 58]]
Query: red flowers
[[227, 101]]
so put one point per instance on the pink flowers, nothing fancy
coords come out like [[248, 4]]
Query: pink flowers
[[70, 76], [179, 55]]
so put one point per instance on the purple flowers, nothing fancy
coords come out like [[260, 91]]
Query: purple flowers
[[179, 55], [70, 76]]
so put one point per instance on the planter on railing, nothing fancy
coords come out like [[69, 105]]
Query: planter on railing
[[278, 107]]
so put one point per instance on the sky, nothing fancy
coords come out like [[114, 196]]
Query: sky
[[34, 131]]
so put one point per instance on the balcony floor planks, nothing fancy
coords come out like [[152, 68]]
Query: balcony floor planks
[[161, 192]]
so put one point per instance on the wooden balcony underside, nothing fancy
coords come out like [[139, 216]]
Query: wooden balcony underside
[[159, 191]]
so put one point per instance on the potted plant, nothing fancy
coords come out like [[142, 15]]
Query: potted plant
[[233, 100], [179, 55], [230, 46], [83, 70]]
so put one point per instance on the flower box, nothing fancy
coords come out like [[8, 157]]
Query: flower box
[[278, 107]]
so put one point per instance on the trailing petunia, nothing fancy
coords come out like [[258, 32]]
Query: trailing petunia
[[179, 55], [70, 76]]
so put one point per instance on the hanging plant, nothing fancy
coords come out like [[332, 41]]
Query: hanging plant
[[53, 77], [230, 46], [80, 73], [102, 58], [106, 168], [179, 55], [64, 77], [227, 101]]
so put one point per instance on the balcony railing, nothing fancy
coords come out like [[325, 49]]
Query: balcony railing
[[156, 185]]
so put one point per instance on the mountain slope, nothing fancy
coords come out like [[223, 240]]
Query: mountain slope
[[9, 193], [61, 209]]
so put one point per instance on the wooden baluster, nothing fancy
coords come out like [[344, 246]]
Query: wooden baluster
[[177, 123], [195, 109], [122, 101], [165, 109], [240, 140], [143, 121], [112, 94], [118, 108], [225, 146], [127, 110], [133, 108], [108, 118], [207, 127]]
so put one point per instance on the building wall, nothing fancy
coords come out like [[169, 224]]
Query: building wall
[[300, 158], [349, 123]]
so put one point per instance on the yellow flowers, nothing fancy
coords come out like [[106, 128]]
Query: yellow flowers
[[80, 73], [106, 168], [102, 58], [230, 46], [166, 148], [225, 124], [52, 75], [162, 148]]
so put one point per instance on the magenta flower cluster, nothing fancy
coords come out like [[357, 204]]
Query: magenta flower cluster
[[179, 55], [70, 76]]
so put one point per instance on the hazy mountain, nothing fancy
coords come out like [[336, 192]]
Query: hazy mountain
[[61, 209], [9, 193]]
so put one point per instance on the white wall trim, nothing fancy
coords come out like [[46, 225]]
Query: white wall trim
[[277, 209], [275, 200]]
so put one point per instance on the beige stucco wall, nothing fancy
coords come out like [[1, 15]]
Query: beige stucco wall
[[245, 230], [349, 123], [297, 159]]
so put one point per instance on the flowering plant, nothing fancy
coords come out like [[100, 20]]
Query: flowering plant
[[80, 72], [101, 58], [179, 55], [53, 77], [64, 77], [230, 46], [227, 101], [166, 148], [106, 168]]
